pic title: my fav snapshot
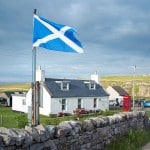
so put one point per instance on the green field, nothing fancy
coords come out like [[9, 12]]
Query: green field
[[9, 118], [14, 87], [126, 78]]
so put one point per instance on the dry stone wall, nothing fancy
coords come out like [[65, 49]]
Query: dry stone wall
[[92, 134]]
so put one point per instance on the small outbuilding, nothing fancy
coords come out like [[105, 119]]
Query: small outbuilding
[[6, 98], [117, 93]]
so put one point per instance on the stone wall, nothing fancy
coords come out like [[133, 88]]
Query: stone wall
[[92, 134]]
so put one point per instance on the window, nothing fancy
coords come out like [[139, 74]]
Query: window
[[64, 86], [92, 86], [79, 103], [64, 105], [23, 102], [95, 103]]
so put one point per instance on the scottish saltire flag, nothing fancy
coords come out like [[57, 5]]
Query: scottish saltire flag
[[55, 36]]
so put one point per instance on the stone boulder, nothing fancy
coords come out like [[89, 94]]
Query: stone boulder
[[87, 125]]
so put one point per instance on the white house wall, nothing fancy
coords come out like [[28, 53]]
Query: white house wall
[[72, 104], [17, 103], [28, 100], [54, 106], [28, 97], [113, 94], [104, 103], [46, 109], [88, 103]]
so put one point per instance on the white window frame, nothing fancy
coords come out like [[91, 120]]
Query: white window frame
[[65, 86], [24, 101], [95, 103], [92, 86], [64, 104], [81, 103]]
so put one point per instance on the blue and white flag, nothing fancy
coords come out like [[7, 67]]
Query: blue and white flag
[[55, 36]]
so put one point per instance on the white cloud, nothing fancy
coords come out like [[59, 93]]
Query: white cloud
[[115, 34]]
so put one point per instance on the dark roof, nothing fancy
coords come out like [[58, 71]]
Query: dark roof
[[77, 88], [120, 91], [8, 94]]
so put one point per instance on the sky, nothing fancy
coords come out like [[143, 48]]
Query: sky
[[115, 35]]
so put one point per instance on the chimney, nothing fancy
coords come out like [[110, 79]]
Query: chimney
[[95, 77], [40, 74]]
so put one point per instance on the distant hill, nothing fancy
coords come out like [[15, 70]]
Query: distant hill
[[14, 87], [142, 84]]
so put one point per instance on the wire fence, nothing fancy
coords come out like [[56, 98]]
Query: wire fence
[[8, 122]]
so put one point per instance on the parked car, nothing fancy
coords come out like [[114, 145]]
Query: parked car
[[121, 104], [146, 103], [112, 103]]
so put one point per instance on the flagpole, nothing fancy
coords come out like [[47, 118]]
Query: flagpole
[[35, 103], [33, 85], [34, 59], [39, 41]]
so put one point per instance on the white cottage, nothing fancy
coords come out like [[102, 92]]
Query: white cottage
[[66, 95], [117, 94]]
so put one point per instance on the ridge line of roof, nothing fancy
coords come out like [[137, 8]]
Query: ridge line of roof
[[69, 79]]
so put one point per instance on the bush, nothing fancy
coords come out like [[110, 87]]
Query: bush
[[22, 120], [52, 115], [52, 121]]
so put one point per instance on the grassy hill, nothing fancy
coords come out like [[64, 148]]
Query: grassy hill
[[142, 84], [126, 78], [14, 87]]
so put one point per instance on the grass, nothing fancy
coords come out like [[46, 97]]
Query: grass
[[14, 87], [57, 120], [133, 141], [11, 119], [7, 117], [148, 113]]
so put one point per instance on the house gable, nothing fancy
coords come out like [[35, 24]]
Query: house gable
[[120, 91]]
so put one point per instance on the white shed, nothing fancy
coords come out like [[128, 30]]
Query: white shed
[[116, 93], [19, 102]]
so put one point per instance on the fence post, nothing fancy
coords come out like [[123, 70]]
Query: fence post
[[1, 119]]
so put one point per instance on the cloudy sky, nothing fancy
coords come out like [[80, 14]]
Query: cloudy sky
[[115, 35]]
